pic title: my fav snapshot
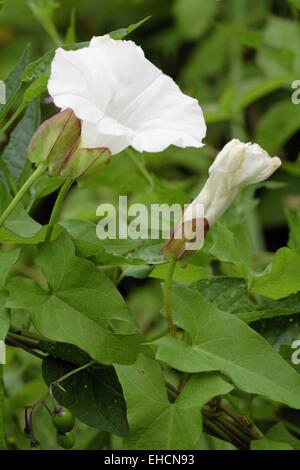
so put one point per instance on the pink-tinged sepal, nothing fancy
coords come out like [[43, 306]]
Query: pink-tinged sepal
[[185, 238], [84, 164], [54, 139]]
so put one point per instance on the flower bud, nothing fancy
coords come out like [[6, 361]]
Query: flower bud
[[54, 139], [57, 143], [235, 167]]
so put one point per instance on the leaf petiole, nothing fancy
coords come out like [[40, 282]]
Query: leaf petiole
[[57, 206], [8, 177], [168, 296], [21, 193]]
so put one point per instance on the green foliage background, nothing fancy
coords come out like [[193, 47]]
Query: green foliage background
[[239, 58]]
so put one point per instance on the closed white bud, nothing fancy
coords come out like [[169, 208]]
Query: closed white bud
[[236, 166]]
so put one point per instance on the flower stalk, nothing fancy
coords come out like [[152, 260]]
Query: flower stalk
[[168, 296], [21, 193], [140, 166]]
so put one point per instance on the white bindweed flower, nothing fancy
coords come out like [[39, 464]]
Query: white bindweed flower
[[122, 99], [235, 167]]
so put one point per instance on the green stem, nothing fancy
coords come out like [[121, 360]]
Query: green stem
[[217, 431], [22, 339], [30, 334], [168, 296], [12, 119], [73, 372], [57, 206], [233, 404], [229, 429], [140, 166], [12, 342], [233, 435], [8, 178], [32, 341], [21, 193], [29, 410], [172, 392], [292, 427], [158, 336], [247, 428], [234, 430]]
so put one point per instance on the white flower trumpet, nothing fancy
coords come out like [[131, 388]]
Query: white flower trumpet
[[236, 166], [122, 99]]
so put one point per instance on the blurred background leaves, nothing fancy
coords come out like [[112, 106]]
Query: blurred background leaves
[[239, 58]]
